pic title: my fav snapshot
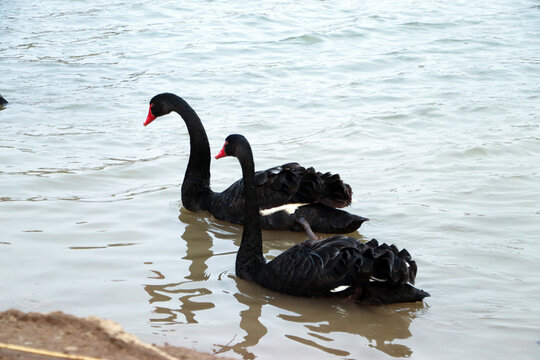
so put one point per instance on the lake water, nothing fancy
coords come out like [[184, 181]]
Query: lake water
[[429, 110]]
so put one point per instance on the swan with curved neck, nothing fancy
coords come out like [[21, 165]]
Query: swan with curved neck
[[291, 197], [335, 266]]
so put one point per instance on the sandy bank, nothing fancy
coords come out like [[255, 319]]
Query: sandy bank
[[57, 334]]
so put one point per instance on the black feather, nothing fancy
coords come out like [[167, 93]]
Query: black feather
[[277, 186], [374, 273]]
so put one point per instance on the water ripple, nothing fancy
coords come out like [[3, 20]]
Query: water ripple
[[428, 109]]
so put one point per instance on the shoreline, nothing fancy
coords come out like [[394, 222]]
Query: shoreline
[[56, 335]]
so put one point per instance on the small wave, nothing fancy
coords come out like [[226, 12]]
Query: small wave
[[114, 197], [100, 247], [303, 39], [40, 172], [426, 24]]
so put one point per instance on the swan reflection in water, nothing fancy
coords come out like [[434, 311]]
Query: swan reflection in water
[[198, 252], [381, 326]]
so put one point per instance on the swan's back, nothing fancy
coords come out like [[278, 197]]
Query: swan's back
[[341, 265], [290, 184]]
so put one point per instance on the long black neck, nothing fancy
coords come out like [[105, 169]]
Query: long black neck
[[249, 259], [196, 185]]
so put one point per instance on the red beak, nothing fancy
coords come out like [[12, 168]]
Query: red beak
[[221, 153], [150, 117]]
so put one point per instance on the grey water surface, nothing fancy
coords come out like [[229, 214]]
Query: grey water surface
[[429, 110]]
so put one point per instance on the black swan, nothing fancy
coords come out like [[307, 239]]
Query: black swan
[[3, 101], [338, 265], [291, 197]]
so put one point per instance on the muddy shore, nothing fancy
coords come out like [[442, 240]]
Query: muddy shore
[[35, 336]]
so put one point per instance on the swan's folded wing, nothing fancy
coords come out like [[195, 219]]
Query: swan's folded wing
[[275, 187], [292, 183], [312, 267], [315, 268]]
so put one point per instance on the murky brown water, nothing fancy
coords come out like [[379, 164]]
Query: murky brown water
[[430, 111]]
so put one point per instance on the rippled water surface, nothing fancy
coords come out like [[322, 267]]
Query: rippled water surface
[[430, 110]]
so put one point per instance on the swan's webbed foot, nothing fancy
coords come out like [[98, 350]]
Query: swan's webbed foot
[[307, 228]]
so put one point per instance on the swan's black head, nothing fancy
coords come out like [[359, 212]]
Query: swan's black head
[[160, 105], [235, 145]]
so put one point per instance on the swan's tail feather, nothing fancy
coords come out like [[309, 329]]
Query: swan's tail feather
[[315, 186], [311, 187], [336, 192], [383, 274]]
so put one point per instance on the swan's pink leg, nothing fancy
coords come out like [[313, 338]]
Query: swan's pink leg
[[307, 228]]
